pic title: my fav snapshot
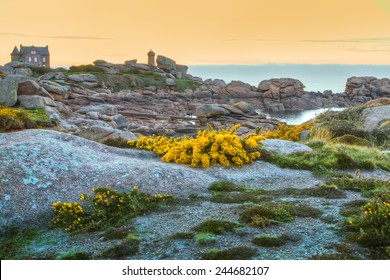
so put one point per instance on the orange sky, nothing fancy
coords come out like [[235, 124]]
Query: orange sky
[[200, 32]]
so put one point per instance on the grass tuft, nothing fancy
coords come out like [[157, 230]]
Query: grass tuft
[[216, 226], [270, 240], [236, 253]]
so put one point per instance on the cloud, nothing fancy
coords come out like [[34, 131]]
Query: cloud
[[353, 40], [55, 37], [354, 49], [350, 40]]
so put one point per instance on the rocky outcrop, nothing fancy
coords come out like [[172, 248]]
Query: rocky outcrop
[[8, 93], [284, 147], [105, 109], [288, 94], [82, 78], [280, 88], [102, 134], [57, 91], [18, 68], [363, 89], [221, 115], [374, 116], [35, 101], [165, 63]]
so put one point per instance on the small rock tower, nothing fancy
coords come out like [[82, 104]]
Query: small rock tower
[[151, 58]]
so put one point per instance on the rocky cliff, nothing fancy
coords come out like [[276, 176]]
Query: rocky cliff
[[121, 99]]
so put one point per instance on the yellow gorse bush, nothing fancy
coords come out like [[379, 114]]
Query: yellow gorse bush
[[207, 148], [288, 132], [105, 207], [215, 147], [13, 119], [69, 215]]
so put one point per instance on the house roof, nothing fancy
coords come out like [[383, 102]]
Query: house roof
[[15, 51], [40, 50]]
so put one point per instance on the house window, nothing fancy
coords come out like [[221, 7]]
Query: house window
[[43, 59], [33, 52], [35, 59], [29, 59]]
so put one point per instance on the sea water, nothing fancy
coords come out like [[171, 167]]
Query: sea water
[[296, 117], [315, 77]]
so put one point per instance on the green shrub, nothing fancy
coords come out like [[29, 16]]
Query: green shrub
[[116, 142], [216, 226], [16, 119], [128, 247], [268, 213], [368, 187], [371, 227], [328, 157], [236, 253], [89, 68], [77, 255], [224, 186], [352, 114], [106, 208], [183, 84], [14, 241], [205, 239], [115, 233], [182, 235], [351, 140], [270, 240], [39, 71]]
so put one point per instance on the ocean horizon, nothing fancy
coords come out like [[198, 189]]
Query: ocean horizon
[[315, 77]]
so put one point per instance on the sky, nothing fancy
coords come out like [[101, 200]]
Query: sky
[[201, 32]]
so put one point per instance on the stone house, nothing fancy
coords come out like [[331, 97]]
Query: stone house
[[38, 56]]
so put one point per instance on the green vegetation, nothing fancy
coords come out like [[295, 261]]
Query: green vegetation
[[351, 140], [225, 192], [224, 186], [343, 252], [15, 119], [74, 255], [128, 247], [328, 157], [236, 253], [182, 235], [347, 127], [106, 208], [116, 142], [13, 243], [39, 71], [216, 226], [267, 213], [115, 233], [183, 84], [370, 227], [205, 239], [270, 240], [352, 208], [89, 68], [368, 187]]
